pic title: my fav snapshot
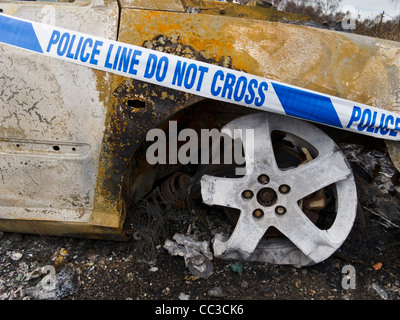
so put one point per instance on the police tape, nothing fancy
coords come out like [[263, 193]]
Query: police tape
[[199, 78]]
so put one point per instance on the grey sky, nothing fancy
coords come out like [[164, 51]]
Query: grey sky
[[371, 8]]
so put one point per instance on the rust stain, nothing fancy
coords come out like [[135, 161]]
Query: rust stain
[[193, 30], [329, 62], [104, 211]]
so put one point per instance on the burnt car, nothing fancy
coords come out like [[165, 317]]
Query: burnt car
[[74, 140]]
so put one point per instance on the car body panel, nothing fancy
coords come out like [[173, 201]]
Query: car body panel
[[52, 115], [68, 132]]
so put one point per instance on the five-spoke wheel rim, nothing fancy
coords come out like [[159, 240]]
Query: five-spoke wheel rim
[[268, 196]]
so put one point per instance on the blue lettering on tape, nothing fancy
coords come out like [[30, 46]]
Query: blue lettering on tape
[[156, 67], [215, 87], [191, 76], [63, 46], [187, 75], [18, 33], [84, 54], [259, 101], [54, 38], [228, 85], [240, 89], [86, 48], [249, 97], [307, 105], [367, 119]]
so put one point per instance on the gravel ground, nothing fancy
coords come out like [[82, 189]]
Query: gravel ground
[[106, 270]]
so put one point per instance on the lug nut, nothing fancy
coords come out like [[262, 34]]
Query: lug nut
[[279, 210], [258, 213], [247, 194], [284, 189], [263, 179]]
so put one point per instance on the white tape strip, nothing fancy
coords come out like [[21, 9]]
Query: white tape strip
[[198, 78]]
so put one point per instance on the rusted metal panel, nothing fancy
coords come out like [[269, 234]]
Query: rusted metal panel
[[52, 119], [354, 67]]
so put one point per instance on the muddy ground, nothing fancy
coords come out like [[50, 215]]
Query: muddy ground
[[106, 270]]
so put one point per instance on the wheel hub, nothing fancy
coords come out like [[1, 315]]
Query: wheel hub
[[267, 197]]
